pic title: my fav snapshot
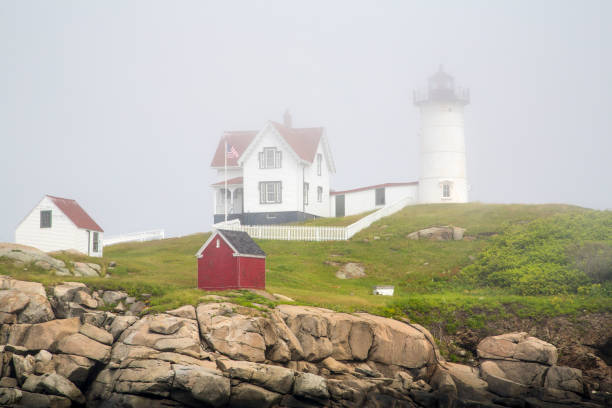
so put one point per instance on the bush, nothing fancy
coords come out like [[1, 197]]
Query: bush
[[549, 256], [594, 259]]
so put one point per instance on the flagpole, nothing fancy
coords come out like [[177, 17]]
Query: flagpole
[[225, 192]]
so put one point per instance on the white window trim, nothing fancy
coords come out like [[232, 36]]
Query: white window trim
[[276, 192], [95, 245], [50, 212], [306, 191], [449, 186], [276, 159]]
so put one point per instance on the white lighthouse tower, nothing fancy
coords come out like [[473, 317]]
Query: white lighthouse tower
[[443, 166]]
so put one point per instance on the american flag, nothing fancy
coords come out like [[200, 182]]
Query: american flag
[[231, 151]]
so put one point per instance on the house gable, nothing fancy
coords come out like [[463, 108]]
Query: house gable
[[208, 241], [329, 159], [268, 130], [240, 243]]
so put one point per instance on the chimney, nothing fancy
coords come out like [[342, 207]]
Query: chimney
[[287, 119]]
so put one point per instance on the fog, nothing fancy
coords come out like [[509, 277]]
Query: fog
[[120, 104]]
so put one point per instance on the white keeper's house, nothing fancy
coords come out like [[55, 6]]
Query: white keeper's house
[[276, 175], [60, 224], [282, 174]]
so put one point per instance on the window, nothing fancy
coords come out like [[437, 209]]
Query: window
[[270, 192], [270, 158], [95, 241], [380, 196], [45, 219], [306, 193], [446, 190], [319, 194], [218, 243], [319, 163]]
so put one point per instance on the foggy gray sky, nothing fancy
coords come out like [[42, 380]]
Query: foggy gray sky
[[120, 104]]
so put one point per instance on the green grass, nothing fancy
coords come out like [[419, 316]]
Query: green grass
[[426, 274], [334, 222]]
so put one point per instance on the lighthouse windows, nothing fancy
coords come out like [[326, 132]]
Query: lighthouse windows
[[446, 190]]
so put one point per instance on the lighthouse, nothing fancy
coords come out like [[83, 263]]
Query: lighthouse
[[443, 176]]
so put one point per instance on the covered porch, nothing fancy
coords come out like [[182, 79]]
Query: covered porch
[[230, 199]]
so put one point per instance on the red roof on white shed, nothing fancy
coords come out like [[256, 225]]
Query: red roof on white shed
[[75, 213]]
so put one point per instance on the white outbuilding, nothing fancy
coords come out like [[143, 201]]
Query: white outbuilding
[[59, 224]]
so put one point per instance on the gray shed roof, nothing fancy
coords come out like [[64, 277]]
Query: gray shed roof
[[242, 242]]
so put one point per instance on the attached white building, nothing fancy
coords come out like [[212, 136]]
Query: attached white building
[[360, 200], [60, 224], [276, 175]]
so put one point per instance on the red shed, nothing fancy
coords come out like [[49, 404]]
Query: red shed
[[231, 260]]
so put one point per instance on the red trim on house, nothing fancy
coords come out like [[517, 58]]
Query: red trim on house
[[411, 183], [240, 140], [232, 181], [303, 141], [76, 214]]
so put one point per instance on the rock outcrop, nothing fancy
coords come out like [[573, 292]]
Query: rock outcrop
[[225, 355], [443, 233], [351, 270], [26, 255]]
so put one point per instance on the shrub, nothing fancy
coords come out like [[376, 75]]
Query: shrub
[[549, 256], [594, 259]]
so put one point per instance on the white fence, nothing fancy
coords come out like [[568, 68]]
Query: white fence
[[302, 233], [135, 237], [369, 219]]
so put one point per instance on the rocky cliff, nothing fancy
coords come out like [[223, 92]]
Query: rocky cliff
[[60, 350]]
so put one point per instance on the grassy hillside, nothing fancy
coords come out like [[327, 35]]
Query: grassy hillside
[[431, 285]]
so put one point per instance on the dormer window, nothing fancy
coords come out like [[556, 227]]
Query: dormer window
[[270, 158]]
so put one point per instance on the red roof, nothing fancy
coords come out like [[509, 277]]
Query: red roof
[[303, 141], [240, 140], [411, 183], [232, 181], [76, 214]]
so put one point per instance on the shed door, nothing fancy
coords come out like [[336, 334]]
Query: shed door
[[340, 205]]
